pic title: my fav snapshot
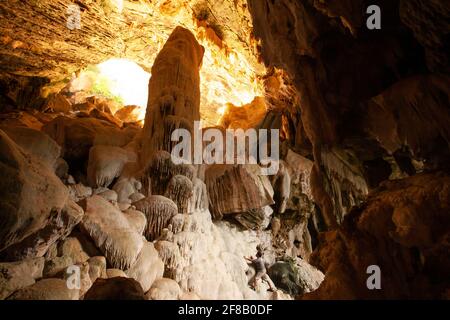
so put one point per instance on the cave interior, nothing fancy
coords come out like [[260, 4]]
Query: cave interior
[[93, 204]]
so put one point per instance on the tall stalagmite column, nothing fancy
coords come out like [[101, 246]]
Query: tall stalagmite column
[[174, 92]]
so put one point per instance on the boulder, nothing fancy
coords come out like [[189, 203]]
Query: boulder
[[79, 191], [17, 275], [77, 135], [295, 276], [147, 268], [97, 268], [57, 103], [56, 266], [128, 114], [31, 193], [106, 163], [137, 219], [59, 225], [164, 289], [96, 113], [112, 273], [237, 189], [71, 247], [46, 289], [36, 143], [111, 232], [117, 288]]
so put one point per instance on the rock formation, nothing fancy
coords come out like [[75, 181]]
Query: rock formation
[[174, 92]]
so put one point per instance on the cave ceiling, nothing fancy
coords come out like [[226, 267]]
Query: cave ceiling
[[36, 42]]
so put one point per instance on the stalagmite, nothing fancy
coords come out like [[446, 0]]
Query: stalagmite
[[174, 90], [180, 191], [157, 173], [159, 211]]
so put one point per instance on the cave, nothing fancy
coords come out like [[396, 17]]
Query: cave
[[313, 164]]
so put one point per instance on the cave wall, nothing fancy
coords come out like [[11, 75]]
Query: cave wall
[[351, 80], [374, 104]]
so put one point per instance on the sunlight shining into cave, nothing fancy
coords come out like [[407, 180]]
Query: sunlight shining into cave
[[126, 80]]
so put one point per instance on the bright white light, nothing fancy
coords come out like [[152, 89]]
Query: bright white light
[[127, 80]]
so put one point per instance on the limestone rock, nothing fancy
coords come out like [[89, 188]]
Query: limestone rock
[[79, 191], [117, 288], [71, 247], [384, 233], [97, 268], [109, 195], [35, 143], [58, 226], [168, 95], [111, 232], [128, 114], [58, 103], [236, 188], [137, 219], [17, 275], [106, 163], [77, 135], [56, 266], [295, 276], [113, 273], [180, 191], [159, 211], [126, 187], [46, 289], [147, 268], [31, 193], [96, 113], [164, 289]]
